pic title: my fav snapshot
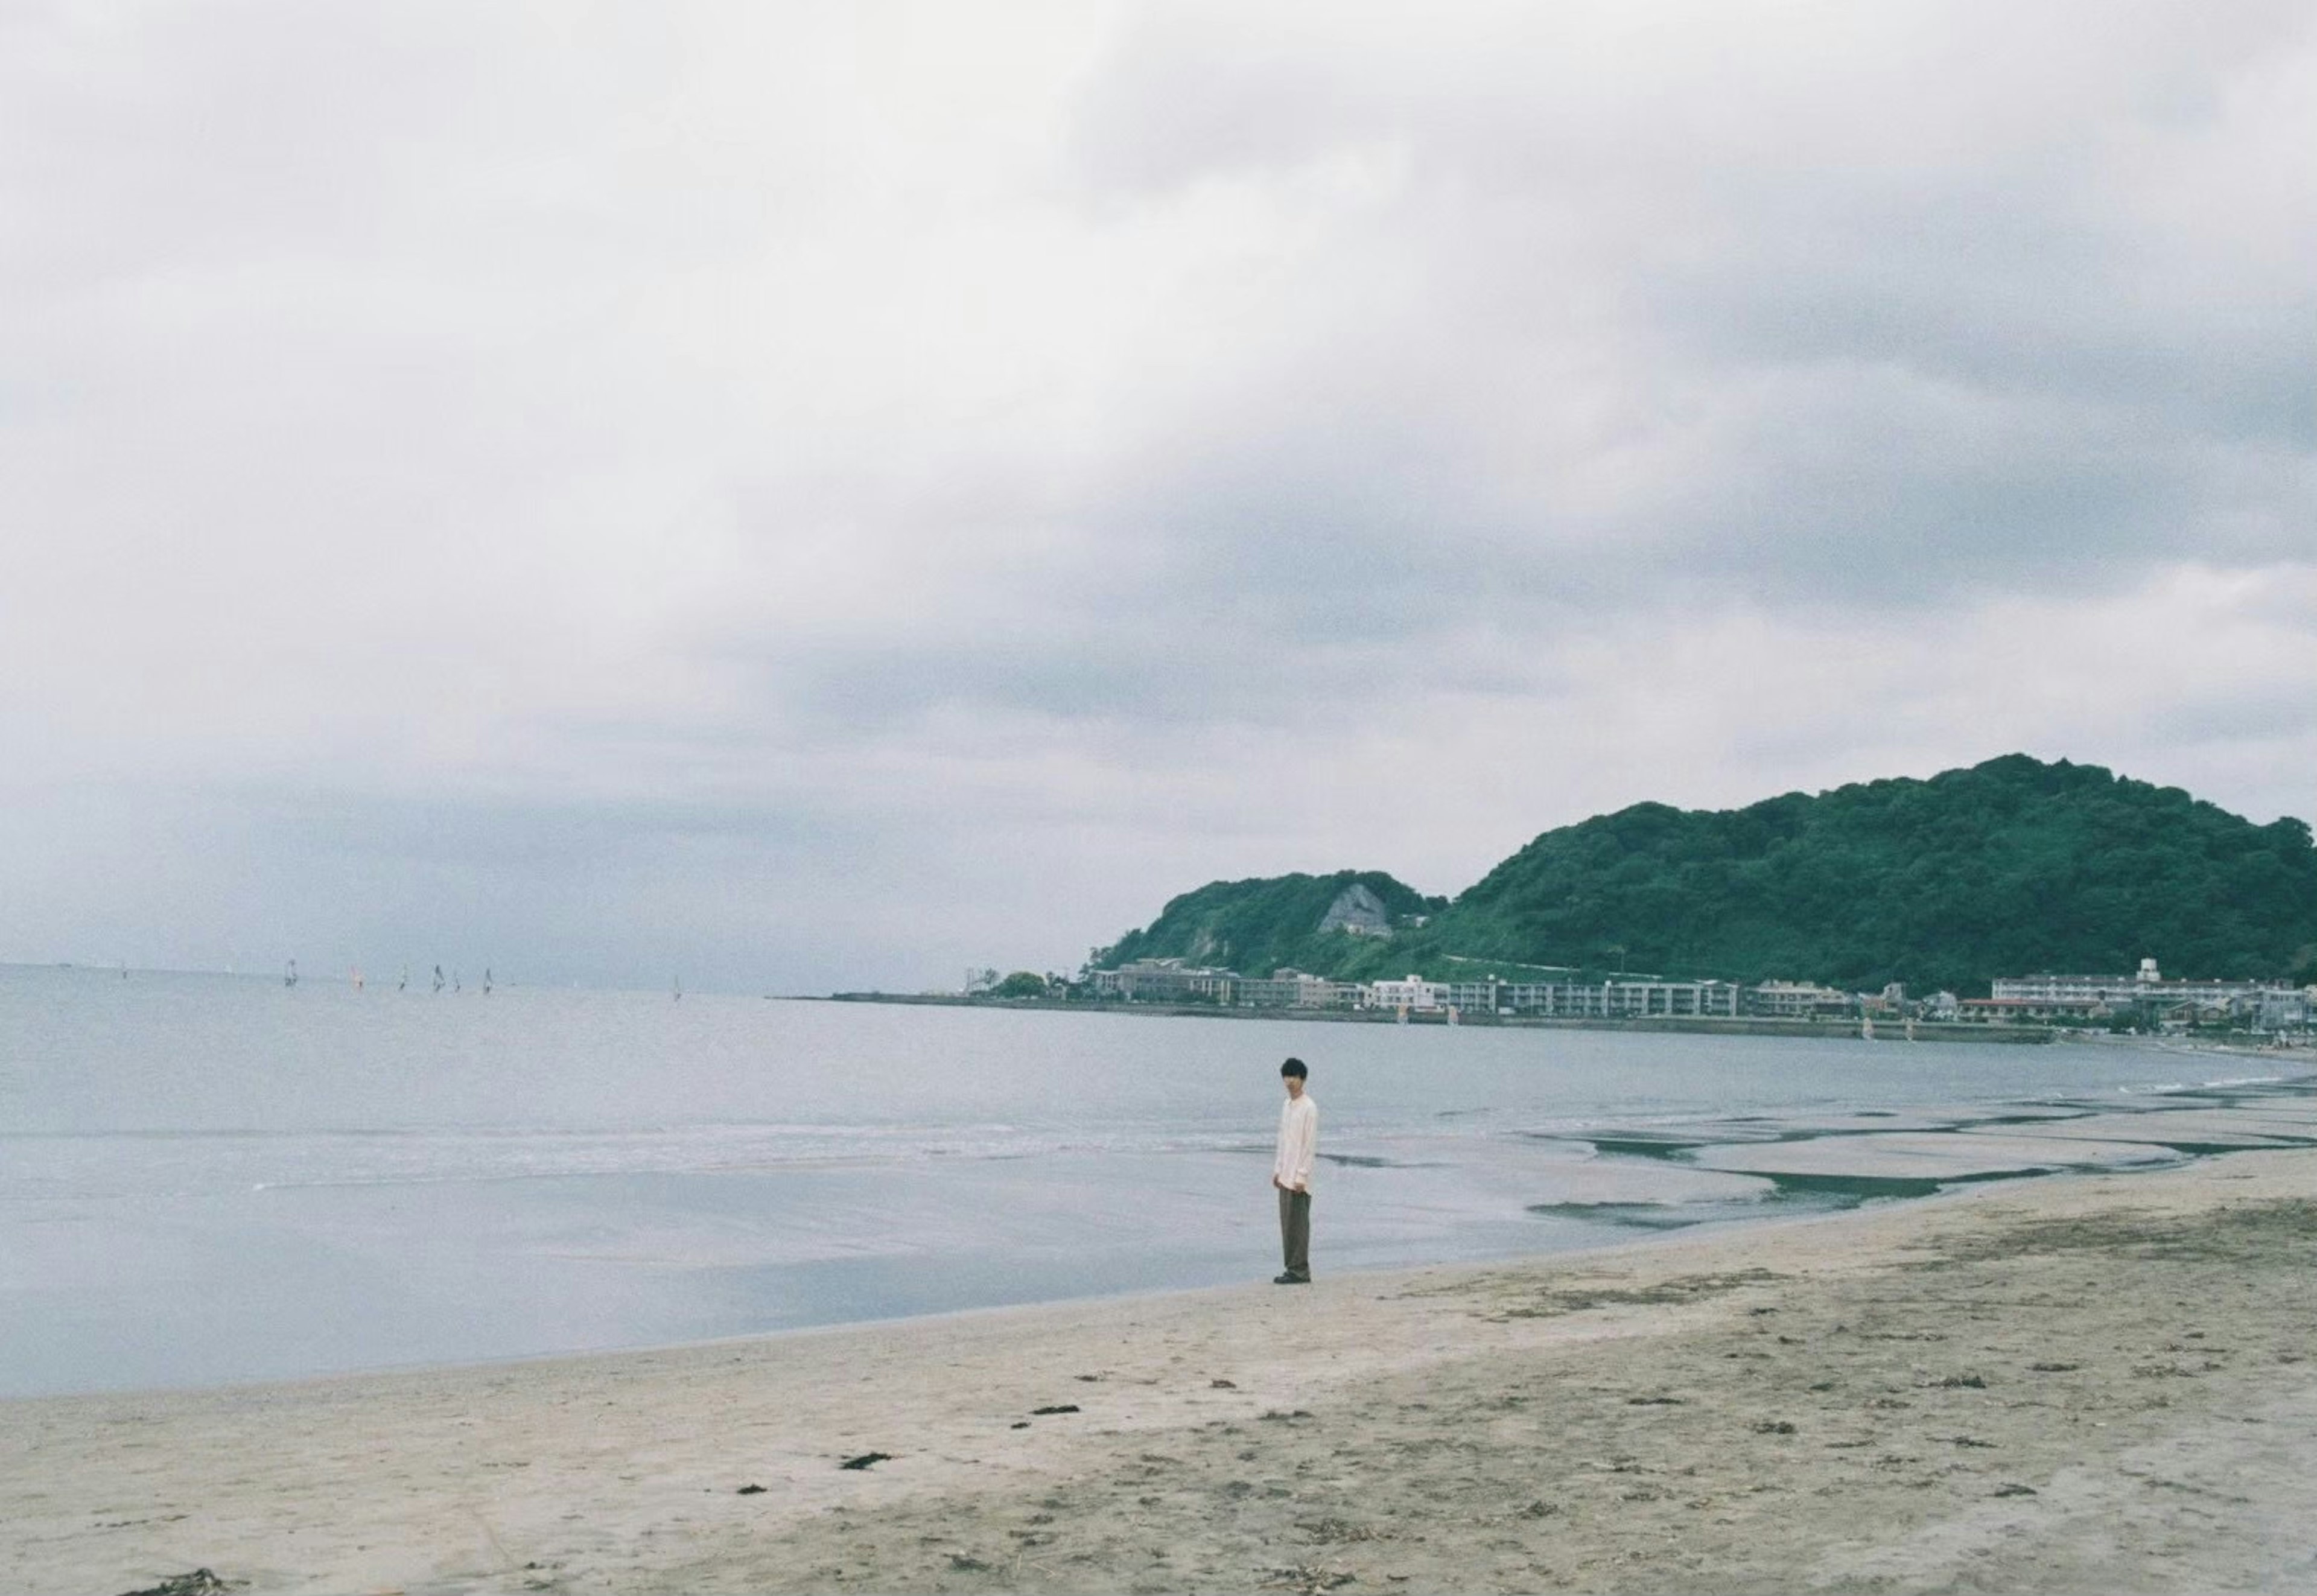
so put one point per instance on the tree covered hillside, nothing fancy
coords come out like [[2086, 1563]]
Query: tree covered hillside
[[1257, 926], [2009, 867]]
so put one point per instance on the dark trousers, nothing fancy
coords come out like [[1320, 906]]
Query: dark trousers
[[1295, 1232]]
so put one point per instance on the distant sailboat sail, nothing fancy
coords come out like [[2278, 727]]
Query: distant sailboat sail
[[289, 975]]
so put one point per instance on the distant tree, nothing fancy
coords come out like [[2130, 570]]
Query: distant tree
[[1022, 983]]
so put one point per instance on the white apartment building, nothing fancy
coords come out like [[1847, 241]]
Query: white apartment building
[[1596, 999], [1414, 993], [1291, 989], [1795, 999], [1166, 980], [2147, 985]]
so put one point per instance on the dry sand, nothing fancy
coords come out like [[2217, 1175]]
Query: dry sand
[[2088, 1384]]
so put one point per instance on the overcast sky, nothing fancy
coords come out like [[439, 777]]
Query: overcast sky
[[816, 495]]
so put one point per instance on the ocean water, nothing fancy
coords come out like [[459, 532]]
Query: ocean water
[[207, 1178]]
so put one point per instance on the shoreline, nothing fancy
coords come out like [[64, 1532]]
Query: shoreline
[[2060, 1383], [1678, 1025], [1820, 1163]]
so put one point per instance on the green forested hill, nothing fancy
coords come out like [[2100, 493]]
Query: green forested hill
[[1258, 925], [2008, 867]]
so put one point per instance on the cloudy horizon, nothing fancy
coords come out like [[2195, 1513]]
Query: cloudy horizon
[[818, 495]]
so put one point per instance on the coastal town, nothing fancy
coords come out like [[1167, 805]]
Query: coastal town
[[2144, 1001]]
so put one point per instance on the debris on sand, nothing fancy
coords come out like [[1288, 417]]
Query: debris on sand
[[1222, 1384], [749, 1491], [1774, 1427], [1339, 1529], [865, 1459], [200, 1583], [2009, 1489], [1060, 1407]]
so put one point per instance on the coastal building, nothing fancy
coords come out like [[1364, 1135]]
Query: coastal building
[[1594, 999], [1631, 1000], [1998, 1011], [2144, 997], [1891, 1000], [1415, 993], [1292, 988], [2284, 1009], [2264, 1005], [1170, 981], [1798, 1000], [1166, 980]]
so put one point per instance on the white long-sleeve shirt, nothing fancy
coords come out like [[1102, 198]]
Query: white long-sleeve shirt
[[1299, 1141]]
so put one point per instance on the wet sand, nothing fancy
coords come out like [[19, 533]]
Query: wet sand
[[2096, 1382]]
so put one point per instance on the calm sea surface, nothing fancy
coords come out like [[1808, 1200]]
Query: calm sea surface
[[209, 1178]]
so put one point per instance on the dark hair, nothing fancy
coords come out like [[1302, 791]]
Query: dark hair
[[1294, 1067]]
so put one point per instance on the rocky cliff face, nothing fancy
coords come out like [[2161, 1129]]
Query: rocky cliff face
[[1357, 910]]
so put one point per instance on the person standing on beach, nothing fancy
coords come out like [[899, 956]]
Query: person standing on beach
[[1291, 1172]]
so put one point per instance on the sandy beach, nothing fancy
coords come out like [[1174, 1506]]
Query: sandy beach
[[2092, 1383]]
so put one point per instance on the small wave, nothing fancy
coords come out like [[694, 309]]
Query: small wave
[[2216, 1083]]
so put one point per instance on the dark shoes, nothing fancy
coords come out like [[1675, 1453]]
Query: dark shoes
[[1290, 1280]]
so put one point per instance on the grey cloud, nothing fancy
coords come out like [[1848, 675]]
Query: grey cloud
[[2275, 713], [2075, 364], [643, 424], [171, 140]]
